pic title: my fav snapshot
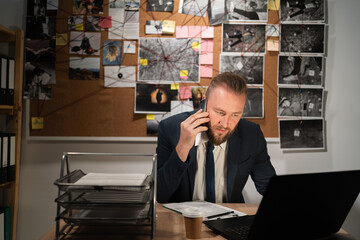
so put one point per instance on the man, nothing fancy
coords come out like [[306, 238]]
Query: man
[[240, 148]]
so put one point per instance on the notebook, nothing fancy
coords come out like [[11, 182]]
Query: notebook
[[298, 206]]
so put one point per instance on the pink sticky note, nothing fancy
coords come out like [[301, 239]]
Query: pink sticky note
[[194, 31], [207, 32], [206, 71], [207, 45], [182, 32], [105, 22], [185, 92], [206, 58]]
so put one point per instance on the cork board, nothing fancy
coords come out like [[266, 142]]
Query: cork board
[[86, 108]]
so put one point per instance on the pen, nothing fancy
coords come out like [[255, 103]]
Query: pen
[[220, 214]]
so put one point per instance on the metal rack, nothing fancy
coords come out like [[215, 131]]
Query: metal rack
[[108, 210]]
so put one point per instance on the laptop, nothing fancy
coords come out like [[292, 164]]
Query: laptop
[[298, 206]]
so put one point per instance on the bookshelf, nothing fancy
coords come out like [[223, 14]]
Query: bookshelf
[[15, 39]]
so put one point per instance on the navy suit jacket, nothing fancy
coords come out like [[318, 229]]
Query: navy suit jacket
[[247, 155]]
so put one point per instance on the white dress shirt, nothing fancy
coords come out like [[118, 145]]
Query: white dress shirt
[[220, 152]]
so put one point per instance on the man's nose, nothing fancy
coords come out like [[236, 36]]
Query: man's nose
[[224, 121]]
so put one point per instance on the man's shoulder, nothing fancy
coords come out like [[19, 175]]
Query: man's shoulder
[[245, 126]]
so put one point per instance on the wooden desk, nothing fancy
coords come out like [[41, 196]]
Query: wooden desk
[[170, 225]]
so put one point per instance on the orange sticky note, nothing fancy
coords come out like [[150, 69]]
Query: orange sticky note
[[273, 45]]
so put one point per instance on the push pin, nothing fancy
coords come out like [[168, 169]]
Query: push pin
[[120, 75]]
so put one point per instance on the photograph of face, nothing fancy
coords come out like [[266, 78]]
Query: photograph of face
[[303, 38], [243, 38], [112, 53], [305, 102], [300, 70], [302, 11], [301, 134]]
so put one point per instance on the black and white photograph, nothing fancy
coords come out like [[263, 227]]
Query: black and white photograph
[[160, 5], [85, 43], [152, 125], [153, 27], [249, 67], [92, 24], [169, 60], [39, 92], [300, 102], [40, 73], [193, 7], [217, 12], [36, 8], [87, 68], [303, 38], [40, 50], [40, 27], [76, 23], [302, 10], [243, 38], [254, 105], [300, 70], [119, 76], [154, 98], [247, 10], [301, 134]]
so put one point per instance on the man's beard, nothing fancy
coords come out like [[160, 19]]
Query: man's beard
[[217, 140]]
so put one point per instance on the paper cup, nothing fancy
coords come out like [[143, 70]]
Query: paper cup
[[193, 220]]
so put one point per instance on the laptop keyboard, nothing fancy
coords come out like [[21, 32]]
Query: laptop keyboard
[[237, 232], [232, 228]]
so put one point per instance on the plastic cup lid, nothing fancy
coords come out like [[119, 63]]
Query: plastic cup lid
[[192, 212]]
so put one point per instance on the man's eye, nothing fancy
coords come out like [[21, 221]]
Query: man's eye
[[221, 113]]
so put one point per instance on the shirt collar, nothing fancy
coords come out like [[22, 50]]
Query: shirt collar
[[203, 139]]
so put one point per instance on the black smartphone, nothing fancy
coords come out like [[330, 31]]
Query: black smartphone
[[202, 105]]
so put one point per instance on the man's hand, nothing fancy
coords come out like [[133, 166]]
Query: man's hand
[[189, 128]]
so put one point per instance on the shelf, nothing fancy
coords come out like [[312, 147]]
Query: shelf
[[6, 185], [6, 109], [7, 35]]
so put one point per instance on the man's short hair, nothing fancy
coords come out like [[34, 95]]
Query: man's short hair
[[231, 81]]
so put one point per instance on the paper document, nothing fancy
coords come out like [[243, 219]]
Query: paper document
[[209, 210], [112, 179]]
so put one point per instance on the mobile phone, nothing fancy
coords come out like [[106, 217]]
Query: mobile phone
[[202, 105]]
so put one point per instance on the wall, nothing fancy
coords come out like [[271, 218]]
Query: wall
[[41, 159]]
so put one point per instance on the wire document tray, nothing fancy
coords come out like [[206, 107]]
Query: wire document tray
[[89, 201]]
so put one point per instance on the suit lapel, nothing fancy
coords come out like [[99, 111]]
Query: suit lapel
[[192, 168], [233, 159]]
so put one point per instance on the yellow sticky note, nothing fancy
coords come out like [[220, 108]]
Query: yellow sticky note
[[150, 117], [143, 62], [274, 5], [61, 39], [37, 123], [174, 86], [79, 27], [196, 46], [168, 27], [184, 74]]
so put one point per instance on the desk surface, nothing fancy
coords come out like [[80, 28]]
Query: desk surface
[[170, 225]]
